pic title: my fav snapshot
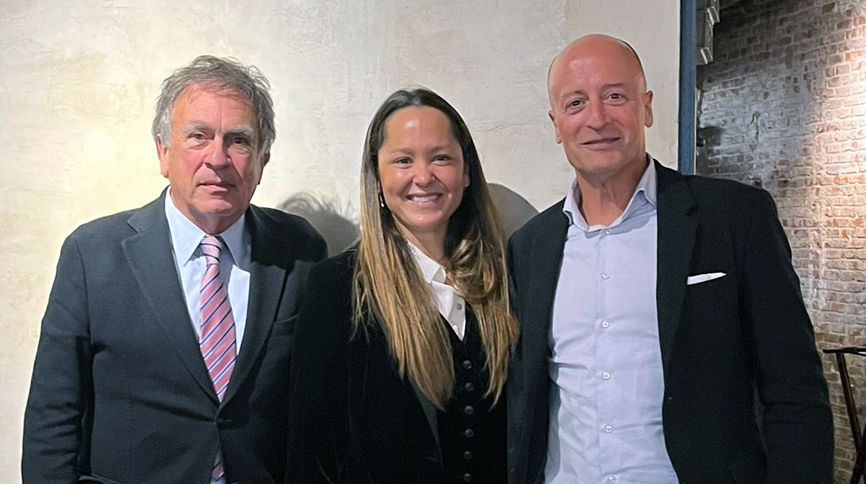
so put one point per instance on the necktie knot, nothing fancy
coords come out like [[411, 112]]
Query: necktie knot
[[211, 247]]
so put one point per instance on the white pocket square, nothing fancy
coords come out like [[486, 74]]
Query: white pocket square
[[699, 278]]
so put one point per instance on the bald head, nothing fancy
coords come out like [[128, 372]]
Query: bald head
[[604, 47], [600, 107]]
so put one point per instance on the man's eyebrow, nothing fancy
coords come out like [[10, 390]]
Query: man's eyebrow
[[247, 131], [196, 126], [581, 92], [576, 92]]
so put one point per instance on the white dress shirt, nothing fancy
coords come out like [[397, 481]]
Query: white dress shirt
[[605, 359], [190, 264], [451, 306]]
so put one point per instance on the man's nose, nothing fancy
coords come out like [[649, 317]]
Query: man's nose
[[597, 115], [219, 155]]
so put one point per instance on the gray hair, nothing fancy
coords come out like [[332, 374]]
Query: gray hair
[[220, 73]]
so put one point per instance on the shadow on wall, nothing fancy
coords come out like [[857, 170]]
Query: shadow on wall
[[338, 225], [335, 223], [513, 209], [708, 139], [710, 145]]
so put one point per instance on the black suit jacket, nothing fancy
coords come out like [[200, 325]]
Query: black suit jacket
[[720, 340], [353, 418], [120, 393]]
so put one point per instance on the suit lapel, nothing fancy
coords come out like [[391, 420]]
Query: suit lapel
[[267, 278], [676, 238], [149, 254]]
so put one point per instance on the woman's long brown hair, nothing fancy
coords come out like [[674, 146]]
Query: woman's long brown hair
[[389, 291]]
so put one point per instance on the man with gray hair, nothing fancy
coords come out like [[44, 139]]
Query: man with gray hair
[[164, 352]]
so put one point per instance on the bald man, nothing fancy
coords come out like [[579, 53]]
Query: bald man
[[664, 336]]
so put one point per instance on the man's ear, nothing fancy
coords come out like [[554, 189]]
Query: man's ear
[[162, 153], [555, 131], [265, 159], [648, 108]]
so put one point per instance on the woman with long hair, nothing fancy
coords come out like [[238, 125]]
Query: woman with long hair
[[400, 354]]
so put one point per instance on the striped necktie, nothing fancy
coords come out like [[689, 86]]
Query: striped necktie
[[218, 345]]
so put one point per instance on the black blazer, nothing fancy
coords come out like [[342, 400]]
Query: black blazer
[[120, 392], [720, 340], [353, 418]]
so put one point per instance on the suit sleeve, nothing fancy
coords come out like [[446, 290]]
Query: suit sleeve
[[318, 421], [514, 367], [798, 427], [61, 385], [514, 388]]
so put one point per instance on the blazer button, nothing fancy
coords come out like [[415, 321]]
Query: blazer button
[[467, 455], [469, 386], [467, 364], [467, 477], [468, 410], [468, 433]]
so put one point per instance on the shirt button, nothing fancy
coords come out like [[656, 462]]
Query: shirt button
[[606, 231], [608, 428], [469, 410], [468, 433], [605, 275], [605, 375], [611, 478], [467, 455], [460, 306], [469, 386], [467, 477], [605, 324], [467, 364]]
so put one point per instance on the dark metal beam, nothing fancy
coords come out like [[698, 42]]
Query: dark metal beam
[[688, 74]]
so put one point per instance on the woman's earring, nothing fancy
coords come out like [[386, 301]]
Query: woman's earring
[[381, 200]]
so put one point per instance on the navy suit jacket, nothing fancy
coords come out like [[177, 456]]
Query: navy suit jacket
[[120, 393], [722, 342]]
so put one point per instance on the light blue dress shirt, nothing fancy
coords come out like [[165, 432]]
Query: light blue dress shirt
[[190, 264], [605, 358]]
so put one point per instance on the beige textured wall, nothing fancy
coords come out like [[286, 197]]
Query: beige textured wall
[[78, 80]]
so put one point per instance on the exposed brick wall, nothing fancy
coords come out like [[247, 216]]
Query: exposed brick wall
[[784, 107]]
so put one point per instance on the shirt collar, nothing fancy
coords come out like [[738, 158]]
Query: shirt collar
[[430, 269], [646, 188], [186, 236]]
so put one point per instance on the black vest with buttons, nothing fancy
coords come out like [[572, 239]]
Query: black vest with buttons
[[471, 433]]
